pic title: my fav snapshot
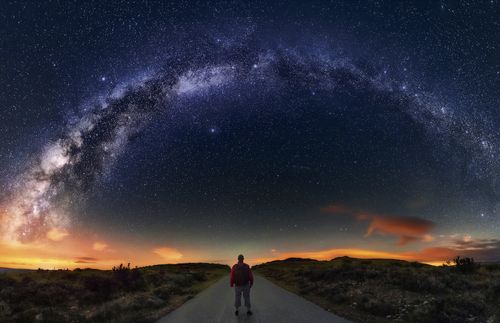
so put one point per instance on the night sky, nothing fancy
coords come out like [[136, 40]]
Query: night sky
[[154, 132]]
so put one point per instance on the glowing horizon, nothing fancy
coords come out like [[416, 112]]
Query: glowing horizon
[[99, 253]]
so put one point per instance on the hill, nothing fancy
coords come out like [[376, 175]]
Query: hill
[[385, 290], [123, 294], [4, 270]]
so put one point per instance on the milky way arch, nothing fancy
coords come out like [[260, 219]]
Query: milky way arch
[[97, 134]]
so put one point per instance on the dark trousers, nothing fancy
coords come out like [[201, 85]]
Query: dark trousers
[[245, 290]]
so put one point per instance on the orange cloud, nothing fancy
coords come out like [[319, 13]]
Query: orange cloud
[[170, 254], [99, 246], [407, 229], [56, 234], [86, 260]]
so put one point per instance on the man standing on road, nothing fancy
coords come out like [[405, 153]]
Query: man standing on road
[[242, 280]]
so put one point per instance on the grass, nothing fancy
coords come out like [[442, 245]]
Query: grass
[[377, 290], [88, 295]]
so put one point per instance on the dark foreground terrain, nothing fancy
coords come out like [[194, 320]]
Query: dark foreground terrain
[[120, 295], [377, 290]]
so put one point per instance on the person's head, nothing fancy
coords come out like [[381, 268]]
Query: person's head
[[240, 258]]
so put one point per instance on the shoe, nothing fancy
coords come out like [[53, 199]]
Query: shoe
[[249, 312], [236, 313]]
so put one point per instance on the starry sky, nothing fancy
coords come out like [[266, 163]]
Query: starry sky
[[159, 132]]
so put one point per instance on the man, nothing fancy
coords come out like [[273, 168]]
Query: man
[[242, 280]]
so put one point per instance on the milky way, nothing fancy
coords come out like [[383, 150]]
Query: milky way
[[95, 136]]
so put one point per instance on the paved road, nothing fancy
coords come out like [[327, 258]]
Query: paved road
[[270, 303]]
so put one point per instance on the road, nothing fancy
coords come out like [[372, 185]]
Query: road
[[270, 303]]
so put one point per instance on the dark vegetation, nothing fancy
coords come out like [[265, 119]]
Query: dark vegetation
[[376, 290], [123, 294]]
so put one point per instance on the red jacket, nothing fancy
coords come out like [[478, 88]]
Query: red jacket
[[250, 275]]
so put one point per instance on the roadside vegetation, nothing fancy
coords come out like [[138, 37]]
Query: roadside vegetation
[[377, 290], [123, 294]]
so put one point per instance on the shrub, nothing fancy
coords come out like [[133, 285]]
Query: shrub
[[377, 306], [163, 292], [121, 272], [6, 281], [130, 279], [199, 276], [102, 287], [52, 294], [465, 265], [495, 289]]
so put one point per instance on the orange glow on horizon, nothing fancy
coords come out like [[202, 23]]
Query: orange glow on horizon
[[80, 251], [170, 254], [334, 253], [433, 256], [85, 250]]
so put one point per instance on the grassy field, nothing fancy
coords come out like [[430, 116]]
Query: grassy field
[[121, 295], [379, 290]]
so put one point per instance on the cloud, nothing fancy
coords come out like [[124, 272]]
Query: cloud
[[467, 238], [486, 250], [86, 260], [99, 246], [468, 243], [56, 234], [407, 229], [170, 254]]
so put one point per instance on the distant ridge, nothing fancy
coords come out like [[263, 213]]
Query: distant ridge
[[292, 259], [4, 270]]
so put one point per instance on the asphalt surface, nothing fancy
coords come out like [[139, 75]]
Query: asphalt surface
[[270, 303]]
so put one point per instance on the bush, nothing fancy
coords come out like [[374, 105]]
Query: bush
[[465, 265], [199, 276], [52, 294], [6, 281], [130, 279], [377, 306], [121, 272], [102, 287], [495, 288], [164, 292]]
